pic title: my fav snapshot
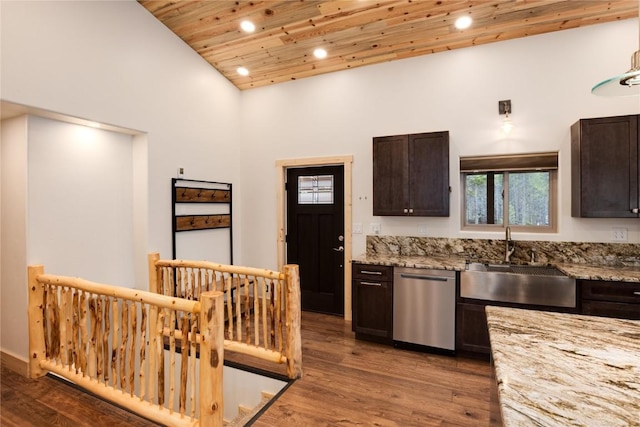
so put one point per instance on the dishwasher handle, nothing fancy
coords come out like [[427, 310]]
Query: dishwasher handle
[[421, 277]]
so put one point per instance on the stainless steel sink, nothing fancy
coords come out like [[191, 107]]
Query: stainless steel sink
[[521, 284], [530, 270]]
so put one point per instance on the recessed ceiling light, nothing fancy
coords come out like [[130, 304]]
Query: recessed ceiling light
[[463, 22], [247, 26], [320, 53], [242, 71]]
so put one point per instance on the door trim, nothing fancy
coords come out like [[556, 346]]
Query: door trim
[[346, 162]]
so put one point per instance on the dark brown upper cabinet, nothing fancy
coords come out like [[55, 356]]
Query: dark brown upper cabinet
[[411, 174], [604, 168]]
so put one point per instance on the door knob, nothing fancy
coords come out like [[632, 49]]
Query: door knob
[[635, 210], [339, 249]]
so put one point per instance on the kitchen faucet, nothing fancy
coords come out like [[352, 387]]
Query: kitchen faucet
[[509, 245]]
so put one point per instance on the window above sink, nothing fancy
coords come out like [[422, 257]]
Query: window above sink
[[519, 191]]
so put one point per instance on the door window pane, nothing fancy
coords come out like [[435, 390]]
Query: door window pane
[[315, 190]]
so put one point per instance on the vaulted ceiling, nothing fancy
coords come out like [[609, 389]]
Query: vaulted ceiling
[[359, 32]]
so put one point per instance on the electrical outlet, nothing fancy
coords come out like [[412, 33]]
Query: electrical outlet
[[375, 228], [357, 228], [422, 229], [619, 234]]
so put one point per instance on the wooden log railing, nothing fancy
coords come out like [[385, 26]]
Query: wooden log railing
[[262, 307], [109, 340]]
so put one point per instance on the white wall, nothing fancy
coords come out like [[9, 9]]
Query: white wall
[[114, 63], [13, 273], [80, 201], [547, 77]]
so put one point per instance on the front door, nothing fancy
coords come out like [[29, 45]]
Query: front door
[[315, 235]]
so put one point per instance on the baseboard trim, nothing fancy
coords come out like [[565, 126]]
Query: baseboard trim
[[14, 363]]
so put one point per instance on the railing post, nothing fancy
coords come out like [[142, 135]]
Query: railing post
[[154, 336], [293, 348], [153, 275], [37, 350], [211, 358]]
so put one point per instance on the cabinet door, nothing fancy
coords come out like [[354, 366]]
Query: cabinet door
[[611, 309], [429, 174], [601, 290], [373, 309], [390, 175], [472, 333], [604, 167], [610, 299]]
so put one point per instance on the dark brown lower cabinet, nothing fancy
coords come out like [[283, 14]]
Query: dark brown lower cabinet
[[373, 302], [472, 333], [610, 299], [471, 328], [598, 298]]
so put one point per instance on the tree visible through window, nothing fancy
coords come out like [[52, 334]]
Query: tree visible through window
[[527, 196], [529, 199], [484, 198], [517, 198]]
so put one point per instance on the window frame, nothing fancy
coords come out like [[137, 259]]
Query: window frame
[[500, 167]]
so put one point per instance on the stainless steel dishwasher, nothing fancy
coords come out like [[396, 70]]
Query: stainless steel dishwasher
[[424, 304]]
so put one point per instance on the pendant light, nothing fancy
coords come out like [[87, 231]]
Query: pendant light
[[626, 84]]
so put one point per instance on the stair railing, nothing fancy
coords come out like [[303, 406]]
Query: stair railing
[[110, 341], [261, 307]]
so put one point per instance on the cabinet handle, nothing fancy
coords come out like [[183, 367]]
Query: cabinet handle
[[377, 273], [637, 293], [411, 210], [405, 210], [635, 210], [371, 284]]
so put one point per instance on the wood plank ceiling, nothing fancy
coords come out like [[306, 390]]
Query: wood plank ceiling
[[359, 32]]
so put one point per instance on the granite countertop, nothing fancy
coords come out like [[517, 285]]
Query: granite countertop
[[594, 272], [424, 261], [575, 271], [558, 369]]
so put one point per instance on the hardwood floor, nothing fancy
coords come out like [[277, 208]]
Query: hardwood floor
[[346, 383], [50, 401]]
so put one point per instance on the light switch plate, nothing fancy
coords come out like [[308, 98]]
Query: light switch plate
[[619, 234], [357, 228]]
